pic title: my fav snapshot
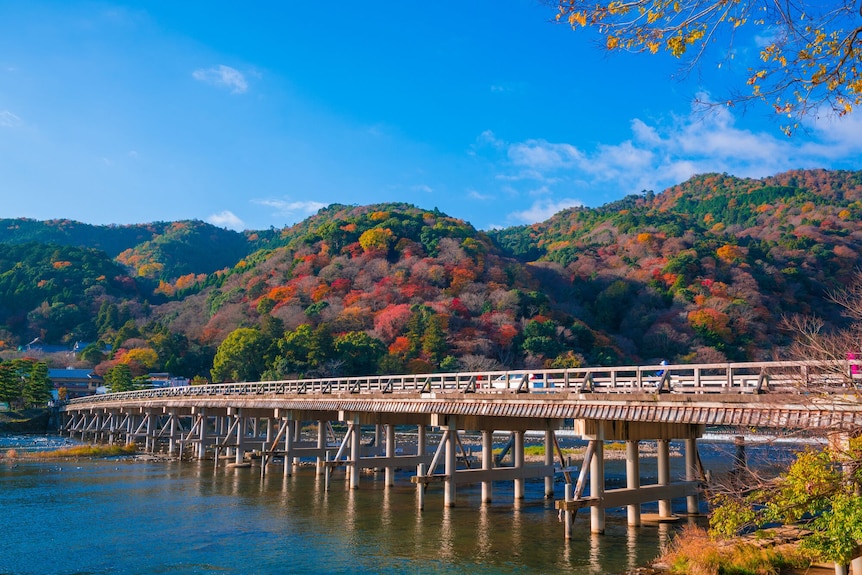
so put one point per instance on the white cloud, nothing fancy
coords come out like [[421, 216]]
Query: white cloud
[[660, 154], [474, 195], [227, 219], [542, 155], [422, 188], [541, 210], [292, 211], [9, 120], [224, 76]]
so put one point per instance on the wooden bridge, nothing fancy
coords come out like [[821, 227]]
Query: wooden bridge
[[657, 403]]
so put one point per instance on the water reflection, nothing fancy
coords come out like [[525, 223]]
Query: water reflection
[[236, 521]]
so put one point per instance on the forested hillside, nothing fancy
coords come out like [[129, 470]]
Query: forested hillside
[[703, 271]]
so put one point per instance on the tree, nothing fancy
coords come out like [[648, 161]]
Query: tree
[[810, 58], [37, 386], [359, 351], [119, 378], [240, 357], [822, 489]]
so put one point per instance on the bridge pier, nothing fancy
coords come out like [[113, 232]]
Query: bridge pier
[[663, 461], [597, 484], [633, 480], [634, 494], [487, 463]]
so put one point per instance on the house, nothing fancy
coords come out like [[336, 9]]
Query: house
[[78, 382]]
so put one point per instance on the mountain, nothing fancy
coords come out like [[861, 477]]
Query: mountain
[[704, 271]]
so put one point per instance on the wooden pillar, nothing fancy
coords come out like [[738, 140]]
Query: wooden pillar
[[202, 434], [297, 436], [288, 447], [518, 458], [321, 444], [390, 452], [355, 452], [450, 466], [240, 436], [597, 485], [691, 502], [633, 480], [420, 440], [663, 445], [549, 460], [172, 438], [487, 464], [150, 441]]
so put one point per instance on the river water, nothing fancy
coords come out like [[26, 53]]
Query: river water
[[163, 517]]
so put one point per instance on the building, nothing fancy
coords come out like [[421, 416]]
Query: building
[[78, 382]]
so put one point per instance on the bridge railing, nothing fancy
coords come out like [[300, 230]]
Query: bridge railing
[[752, 377]]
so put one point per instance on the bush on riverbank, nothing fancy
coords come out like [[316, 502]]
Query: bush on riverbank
[[694, 552], [90, 451]]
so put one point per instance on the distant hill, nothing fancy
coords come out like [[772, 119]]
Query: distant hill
[[703, 271]]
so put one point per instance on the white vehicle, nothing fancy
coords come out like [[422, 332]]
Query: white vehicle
[[513, 381]]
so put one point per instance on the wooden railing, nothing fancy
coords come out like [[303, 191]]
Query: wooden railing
[[727, 378]]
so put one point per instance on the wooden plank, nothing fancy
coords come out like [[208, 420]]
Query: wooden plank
[[633, 496]]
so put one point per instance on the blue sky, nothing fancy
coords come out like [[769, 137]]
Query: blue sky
[[252, 115]]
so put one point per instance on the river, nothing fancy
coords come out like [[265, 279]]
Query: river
[[137, 516]]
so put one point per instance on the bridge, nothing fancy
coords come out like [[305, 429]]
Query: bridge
[[261, 421]]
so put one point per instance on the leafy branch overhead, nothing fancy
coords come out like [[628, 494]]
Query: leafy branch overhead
[[810, 52]]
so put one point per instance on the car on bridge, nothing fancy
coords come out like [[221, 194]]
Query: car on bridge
[[513, 381]]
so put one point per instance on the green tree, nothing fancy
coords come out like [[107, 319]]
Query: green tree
[[359, 351], [119, 378], [37, 386], [434, 339], [817, 489], [809, 59], [240, 357], [10, 382]]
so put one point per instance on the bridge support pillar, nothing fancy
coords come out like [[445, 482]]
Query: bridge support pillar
[[549, 460], [130, 423], [487, 463], [240, 437], [450, 464], [518, 459], [597, 486], [420, 439], [692, 503], [663, 456], [172, 437], [149, 438], [288, 446], [390, 452], [297, 436], [321, 443], [202, 434], [355, 429], [633, 480]]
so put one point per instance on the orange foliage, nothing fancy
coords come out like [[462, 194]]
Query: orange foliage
[[319, 292], [400, 347], [281, 293], [730, 253], [61, 265], [711, 320]]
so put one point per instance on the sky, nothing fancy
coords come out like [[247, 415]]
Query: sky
[[255, 115]]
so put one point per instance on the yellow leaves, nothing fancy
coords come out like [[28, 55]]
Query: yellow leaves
[[653, 16], [612, 42], [653, 47], [676, 45], [578, 18]]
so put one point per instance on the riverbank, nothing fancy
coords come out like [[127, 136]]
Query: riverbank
[[26, 421]]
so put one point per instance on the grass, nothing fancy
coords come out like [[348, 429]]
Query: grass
[[89, 451], [694, 552]]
